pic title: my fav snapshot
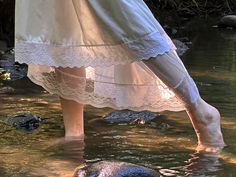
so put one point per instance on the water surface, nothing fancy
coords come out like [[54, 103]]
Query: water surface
[[212, 63]]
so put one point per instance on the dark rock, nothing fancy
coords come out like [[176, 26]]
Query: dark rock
[[25, 121], [115, 169], [131, 116], [228, 21]]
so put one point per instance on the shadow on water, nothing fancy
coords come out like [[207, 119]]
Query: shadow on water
[[212, 63]]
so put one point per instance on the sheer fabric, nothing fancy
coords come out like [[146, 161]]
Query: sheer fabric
[[132, 86], [108, 39]]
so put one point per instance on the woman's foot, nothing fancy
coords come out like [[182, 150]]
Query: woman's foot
[[206, 122]]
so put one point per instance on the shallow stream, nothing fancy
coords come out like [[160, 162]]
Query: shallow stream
[[211, 61]]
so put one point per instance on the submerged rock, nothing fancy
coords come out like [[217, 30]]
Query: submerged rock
[[25, 121], [114, 169], [228, 21], [131, 116]]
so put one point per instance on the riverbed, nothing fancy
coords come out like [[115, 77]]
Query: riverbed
[[211, 61]]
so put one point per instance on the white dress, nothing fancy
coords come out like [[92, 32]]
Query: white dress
[[109, 38]]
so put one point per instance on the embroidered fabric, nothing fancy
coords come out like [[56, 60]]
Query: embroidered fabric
[[122, 91], [109, 40], [114, 76], [66, 55]]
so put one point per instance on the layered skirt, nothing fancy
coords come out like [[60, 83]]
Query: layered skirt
[[92, 52]]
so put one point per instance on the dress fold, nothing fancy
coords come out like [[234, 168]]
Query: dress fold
[[109, 39]]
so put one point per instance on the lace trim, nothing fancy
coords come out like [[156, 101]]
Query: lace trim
[[151, 45], [157, 98]]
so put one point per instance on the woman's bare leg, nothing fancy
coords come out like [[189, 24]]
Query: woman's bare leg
[[204, 117], [73, 118], [73, 111]]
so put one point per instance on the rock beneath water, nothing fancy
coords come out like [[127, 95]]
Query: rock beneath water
[[25, 121], [228, 21], [131, 116], [114, 169], [181, 47]]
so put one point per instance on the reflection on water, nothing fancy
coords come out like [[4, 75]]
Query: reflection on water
[[202, 164], [212, 63]]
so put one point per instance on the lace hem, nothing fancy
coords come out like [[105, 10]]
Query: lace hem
[[155, 97], [151, 45], [118, 79]]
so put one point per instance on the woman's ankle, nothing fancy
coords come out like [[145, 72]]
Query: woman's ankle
[[74, 130], [206, 122], [74, 136]]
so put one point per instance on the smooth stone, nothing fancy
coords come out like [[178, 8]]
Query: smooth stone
[[114, 169], [228, 21]]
